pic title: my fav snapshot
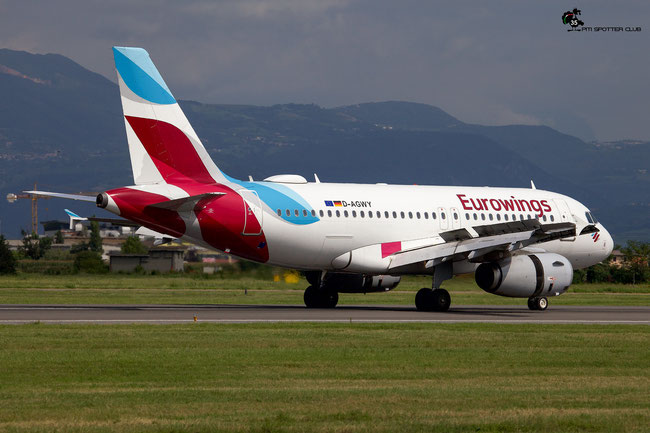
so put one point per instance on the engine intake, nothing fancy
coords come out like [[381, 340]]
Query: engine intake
[[102, 200], [526, 276]]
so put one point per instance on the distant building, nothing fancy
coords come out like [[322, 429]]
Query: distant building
[[51, 227], [618, 259], [159, 260]]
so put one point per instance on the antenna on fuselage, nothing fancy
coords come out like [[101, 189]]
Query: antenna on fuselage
[[316, 179], [532, 185]]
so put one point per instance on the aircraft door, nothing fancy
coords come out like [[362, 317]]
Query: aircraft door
[[443, 218], [253, 213], [565, 215], [454, 218]]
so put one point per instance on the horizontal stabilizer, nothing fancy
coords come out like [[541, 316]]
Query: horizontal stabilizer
[[91, 198], [186, 203], [115, 221], [74, 216]]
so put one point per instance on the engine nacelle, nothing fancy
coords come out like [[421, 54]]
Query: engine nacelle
[[359, 283], [526, 276]]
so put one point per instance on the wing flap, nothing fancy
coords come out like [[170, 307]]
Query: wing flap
[[491, 239]]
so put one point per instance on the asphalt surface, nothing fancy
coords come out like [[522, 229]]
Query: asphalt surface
[[107, 314]]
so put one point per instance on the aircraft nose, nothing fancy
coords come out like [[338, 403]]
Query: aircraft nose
[[608, 242]]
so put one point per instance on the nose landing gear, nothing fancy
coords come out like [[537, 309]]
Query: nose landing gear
[[540, 304]]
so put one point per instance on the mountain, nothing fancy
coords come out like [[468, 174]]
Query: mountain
[[61, 126]]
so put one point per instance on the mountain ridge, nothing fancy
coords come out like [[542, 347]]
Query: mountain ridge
[[62, 125]]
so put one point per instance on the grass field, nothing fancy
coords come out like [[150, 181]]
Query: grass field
[[183, 289], [325, 378]]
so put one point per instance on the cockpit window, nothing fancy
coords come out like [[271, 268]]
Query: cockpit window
[[591, 219]]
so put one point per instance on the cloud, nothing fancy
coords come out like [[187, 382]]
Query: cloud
[[490, 62]]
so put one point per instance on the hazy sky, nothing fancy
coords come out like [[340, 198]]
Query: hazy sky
[[489, 62]]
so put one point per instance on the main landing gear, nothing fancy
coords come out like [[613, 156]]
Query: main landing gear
[[538, 303], [320, 298], [435, 299]]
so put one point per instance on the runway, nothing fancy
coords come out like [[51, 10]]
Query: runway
[[164, 314]]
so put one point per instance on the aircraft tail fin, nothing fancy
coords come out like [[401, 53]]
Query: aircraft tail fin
[[162, 143]]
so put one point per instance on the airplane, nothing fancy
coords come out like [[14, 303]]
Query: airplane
[[346, 238]]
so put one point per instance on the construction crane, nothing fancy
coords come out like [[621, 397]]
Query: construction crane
[[11, 197]]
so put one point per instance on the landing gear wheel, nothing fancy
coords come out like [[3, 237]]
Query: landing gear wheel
[[329, 299], [311, 297], [441, 300], [315, 298], [423, 301], [540, 304], [432, 300]]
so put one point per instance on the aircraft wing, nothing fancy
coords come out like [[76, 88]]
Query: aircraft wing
[[62, 195], [482, 243]]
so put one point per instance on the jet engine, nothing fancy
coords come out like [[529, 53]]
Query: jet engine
[[526, 276], [354, 283]]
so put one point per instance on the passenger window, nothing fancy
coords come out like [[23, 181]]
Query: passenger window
[[345, 213], [394, 214], [552, 218], [544, 218], [313, 213], [329, 213], [426, 215], [296, 212], [378, 214], [433, 215], [483, 216], [521, 217], [442, 215], [386, 214], [304, 212], [338, 213], [279, 212], [505, 217], [498, 217], [354, 213], [475, 217], [455, 216], [322, 214], [401, 214], [410, 215], [288, 212], [491, 218], [417, 214], [369, 214], [466, 216]]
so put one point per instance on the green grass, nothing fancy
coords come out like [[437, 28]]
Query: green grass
[[325, 378], [184, 289]]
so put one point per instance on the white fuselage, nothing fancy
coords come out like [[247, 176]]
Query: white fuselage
[[370, 215]]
